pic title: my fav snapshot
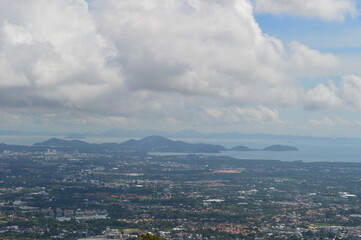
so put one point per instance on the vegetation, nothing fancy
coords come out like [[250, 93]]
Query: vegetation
[[66, 195]]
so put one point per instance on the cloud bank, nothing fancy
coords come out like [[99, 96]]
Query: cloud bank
[[177, 61]]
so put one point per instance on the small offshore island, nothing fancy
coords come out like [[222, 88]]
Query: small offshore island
[[275, 148], [280, 148]]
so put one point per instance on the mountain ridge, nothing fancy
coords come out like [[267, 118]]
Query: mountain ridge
[[156, 143], [150, 143]]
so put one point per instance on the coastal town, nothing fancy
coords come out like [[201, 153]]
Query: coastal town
[[55, 194]]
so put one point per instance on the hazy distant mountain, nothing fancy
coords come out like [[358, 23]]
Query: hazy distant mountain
[[162, 144], [280, 148], [151, 143], [56, 142]]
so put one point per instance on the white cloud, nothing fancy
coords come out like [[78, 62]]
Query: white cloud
[[324, 122], [212, 48], [52, 52], [328, 10], [304, 61], [69, 118], [323, 97], [16, 35], [351, 91], [147, 59], [347, 95], [251, 115], [10, 118]]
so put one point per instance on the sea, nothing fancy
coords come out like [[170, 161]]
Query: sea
[[309, 149]]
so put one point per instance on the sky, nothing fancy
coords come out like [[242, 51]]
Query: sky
[[269, 66]]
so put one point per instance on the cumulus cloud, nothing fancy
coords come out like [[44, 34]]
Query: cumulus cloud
[[51, 52], [304, 61], [328, 10], [323, 97], [146, 59], [253, 115], [347, 95], [351, 91]]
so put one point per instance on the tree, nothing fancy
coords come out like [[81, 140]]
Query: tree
[[149, 236]]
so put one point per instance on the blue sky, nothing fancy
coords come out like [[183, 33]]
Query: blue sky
[[341, 38], [336, 37], [273, 66]]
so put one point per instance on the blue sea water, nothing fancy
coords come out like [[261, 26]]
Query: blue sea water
[[309, 150]]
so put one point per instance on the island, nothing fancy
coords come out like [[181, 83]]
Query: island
[[280, 148], [242, 148]]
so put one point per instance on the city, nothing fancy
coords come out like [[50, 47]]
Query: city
[[121, 195]]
